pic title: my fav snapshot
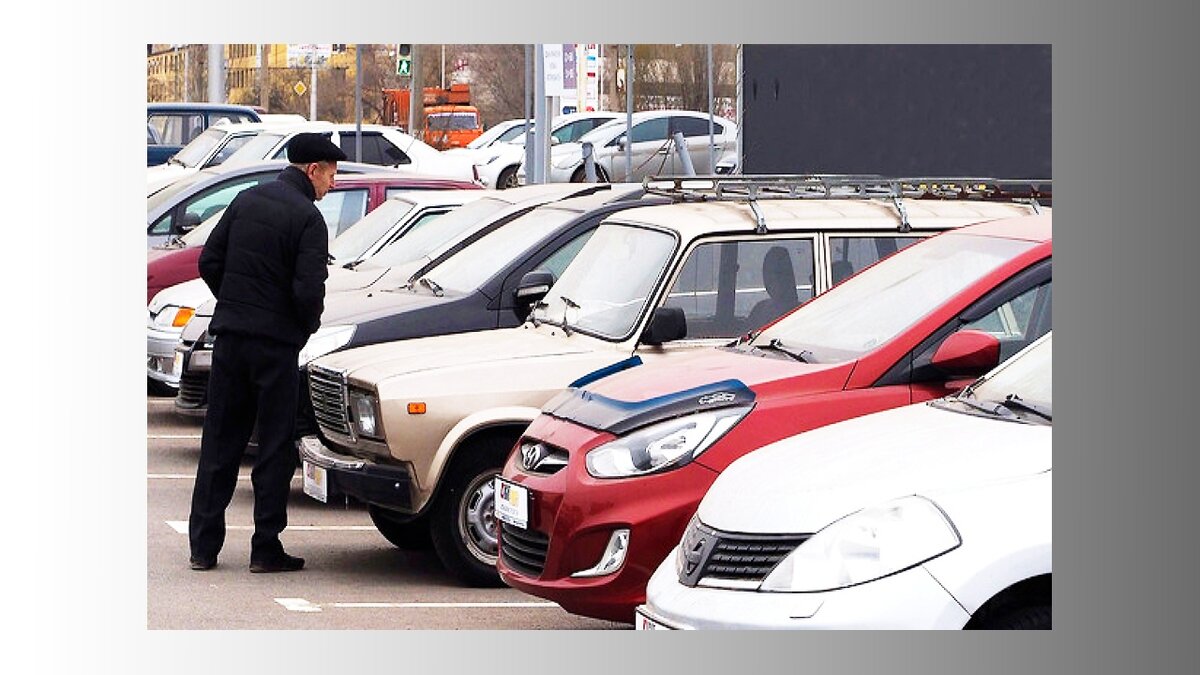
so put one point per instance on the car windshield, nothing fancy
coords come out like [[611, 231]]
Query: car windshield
[[256, 149], [591, 298], [466, 270], [873, 307], [449, 227], [497, 134], [193, 154], [1022, 384], [167, 194], [444, 121], [352, 243]]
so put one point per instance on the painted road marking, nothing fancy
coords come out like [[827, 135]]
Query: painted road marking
[[173, 437], [302, 605], [181, 526]]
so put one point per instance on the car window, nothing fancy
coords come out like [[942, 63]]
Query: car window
[[557, 262], [728, 288], [514, 132], [232, 146], [650, 130], [571, 132], [343, 208], [203, 205], [177, 128], [257, 148], [694, 126], [848, 255]]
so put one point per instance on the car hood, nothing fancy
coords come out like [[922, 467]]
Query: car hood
[[192, 293], [354, 307], [802, 483], [541, 351], [694, 369], [365, 276], [162, 175]]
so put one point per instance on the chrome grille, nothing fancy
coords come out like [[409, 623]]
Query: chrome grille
[[710, 554], [523, 550], [327, 390]]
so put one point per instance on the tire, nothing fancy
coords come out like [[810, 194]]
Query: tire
[[507, 178], [412, 535], [156, 388], [580, 175], [1036, 617], [462, 524]]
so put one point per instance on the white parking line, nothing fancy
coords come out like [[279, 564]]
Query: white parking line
[[181, 526], [173, 437], [302, 605]]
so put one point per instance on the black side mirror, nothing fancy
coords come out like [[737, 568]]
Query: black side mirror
[[666, 324], [532, 287], [189, 222]]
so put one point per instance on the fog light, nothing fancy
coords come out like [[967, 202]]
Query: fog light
[[613, 557]]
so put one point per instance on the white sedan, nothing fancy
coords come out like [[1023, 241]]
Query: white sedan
[[498, 162], [936, 515]]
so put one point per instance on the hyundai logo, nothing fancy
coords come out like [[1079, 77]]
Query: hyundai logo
[[719, 397]]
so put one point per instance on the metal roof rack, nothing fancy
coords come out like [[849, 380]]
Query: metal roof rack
[[752, 188]]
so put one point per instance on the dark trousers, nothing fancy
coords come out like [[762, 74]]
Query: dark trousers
[[251, 378]]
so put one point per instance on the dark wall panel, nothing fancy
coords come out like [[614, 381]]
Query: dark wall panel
[[901, 110]]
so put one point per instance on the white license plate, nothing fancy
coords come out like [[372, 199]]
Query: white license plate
[[644, 622], [512, 503], [316, 482]]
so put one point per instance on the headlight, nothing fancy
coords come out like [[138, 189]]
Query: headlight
[[174, 317], [364, 413], [663, 446], [865, 546], [325, 340]]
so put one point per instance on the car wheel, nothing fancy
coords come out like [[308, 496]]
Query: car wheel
[[507, 178], [463, 524], [156, 388], [580, 175], [1036, 617], [412, 535]]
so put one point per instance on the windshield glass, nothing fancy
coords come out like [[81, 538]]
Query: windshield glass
[[256, 149], [352, 243], [871, 308], [448, 228], [443, 121], [497, 134], [602, 133], [466, 270], [1027, 376], [194, 153], [602, 302]]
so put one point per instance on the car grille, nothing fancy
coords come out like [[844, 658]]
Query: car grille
[[523, 550], [193, 390], [327, 390], [729, 556]]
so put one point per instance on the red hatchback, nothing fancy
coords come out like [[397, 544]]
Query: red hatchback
[[603, 483], [352, 197]]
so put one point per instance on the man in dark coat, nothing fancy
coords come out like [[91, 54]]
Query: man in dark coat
[[266, 264]]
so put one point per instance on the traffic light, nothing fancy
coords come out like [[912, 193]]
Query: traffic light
[[404, 60]]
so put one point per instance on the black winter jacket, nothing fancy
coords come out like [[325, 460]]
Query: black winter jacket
[[266, 262]]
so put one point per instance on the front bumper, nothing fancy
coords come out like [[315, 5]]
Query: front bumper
[[161, 362], [382, 485], [912, 599], [192, 399], [577, 514]]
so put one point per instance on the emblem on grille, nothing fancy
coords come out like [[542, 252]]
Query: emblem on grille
[[719, 397], [532, 455]]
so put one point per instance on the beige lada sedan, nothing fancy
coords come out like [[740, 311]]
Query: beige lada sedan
[[417, 429]]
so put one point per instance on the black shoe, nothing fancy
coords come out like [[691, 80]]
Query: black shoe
[[280, 562], [201, 564]]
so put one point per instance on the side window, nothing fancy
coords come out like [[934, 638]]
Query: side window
[[205, 204], [650, 130], [693, 126], [849, 255], [558, 261], [728, 288], [569, 133], [343, 208], [421, 221], [231, 147], [391, 154], [177, 128]]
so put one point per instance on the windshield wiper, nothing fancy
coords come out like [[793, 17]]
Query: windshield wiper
[[803, 356], [1014, 402], [431, 285], [540, 304], [353, 263], [172, 160]]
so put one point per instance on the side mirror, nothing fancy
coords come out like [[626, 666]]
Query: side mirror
[[532, 287], [188, 222], [621, 142], [554, 141], [666, 324], [967, 353]]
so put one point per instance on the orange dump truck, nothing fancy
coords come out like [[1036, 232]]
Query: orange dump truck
[[450, 120]]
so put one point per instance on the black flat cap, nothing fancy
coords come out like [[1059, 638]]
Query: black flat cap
[[308, 148]]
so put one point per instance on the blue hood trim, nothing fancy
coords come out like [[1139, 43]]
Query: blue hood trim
[[606, 371], [618, 417]]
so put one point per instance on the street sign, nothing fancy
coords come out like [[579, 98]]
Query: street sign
[[299, 88], [308, 55]]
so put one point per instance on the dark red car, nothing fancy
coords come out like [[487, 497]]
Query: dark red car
[[603, 483], [352, 197]]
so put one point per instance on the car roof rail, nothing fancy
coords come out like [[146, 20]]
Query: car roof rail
[[753, 188]]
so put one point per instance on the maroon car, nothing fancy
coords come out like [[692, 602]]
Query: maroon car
[[352, 197]]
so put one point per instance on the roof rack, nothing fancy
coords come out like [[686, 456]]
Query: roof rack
[[752, 188]]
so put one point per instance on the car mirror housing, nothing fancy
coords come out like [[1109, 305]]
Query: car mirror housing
[[967, 353], [666, 324], [533, 287], [189, 222]]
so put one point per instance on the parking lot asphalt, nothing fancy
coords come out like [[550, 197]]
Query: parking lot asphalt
[[353, 578]]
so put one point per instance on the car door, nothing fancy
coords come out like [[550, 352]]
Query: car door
[[695, 136], [649, 147], [197, 208]]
